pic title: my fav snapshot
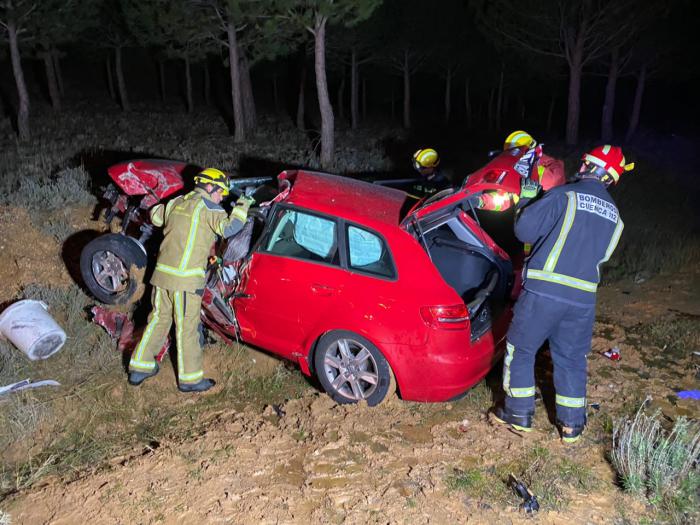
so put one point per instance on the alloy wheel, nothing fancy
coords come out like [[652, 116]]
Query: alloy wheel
[[351, 369]]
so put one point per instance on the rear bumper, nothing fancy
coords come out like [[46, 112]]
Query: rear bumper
[[445, 368]]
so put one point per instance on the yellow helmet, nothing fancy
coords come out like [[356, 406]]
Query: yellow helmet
[[214, 177], [518, 139], [425, 158]]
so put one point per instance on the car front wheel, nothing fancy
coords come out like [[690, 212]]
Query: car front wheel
[[350, 369]]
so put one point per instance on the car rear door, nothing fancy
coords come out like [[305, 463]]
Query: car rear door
[[292, 279]]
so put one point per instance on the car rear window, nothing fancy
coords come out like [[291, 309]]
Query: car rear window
[[368, 253], [304, 235]]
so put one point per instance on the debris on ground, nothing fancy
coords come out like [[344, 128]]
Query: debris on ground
[[689, 394], [121, 328], [613, 354], [28, 325], [26, 384], [530, 503]]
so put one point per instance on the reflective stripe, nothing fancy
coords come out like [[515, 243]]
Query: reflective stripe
[[551, 262], [191, 236], [510, 350], [169, 208], [571, 402], [192, 377], [594, 160], [137, 361], [523, 392], [565, 280], [613, 244], [156, 212], [606, 148], [194, 272]]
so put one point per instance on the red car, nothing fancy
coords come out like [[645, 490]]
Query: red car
[[362, 286]]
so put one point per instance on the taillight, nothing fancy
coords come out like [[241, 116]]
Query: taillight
[[453, 317]]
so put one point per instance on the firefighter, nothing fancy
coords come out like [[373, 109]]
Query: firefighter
[[548, 171], [191, 224], [573, 228], [432, 179]]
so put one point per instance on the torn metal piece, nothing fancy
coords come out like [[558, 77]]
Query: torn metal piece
[[530, 503], [613, 354], [121, 329], [26, 384]]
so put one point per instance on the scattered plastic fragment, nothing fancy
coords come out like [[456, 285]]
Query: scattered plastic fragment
[[594, 406], [530, 503], [464, 425], [121, 328], [26, 384], [613, 354], [279, 411], [689, 394]]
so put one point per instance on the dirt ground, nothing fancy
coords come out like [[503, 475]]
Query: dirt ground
[[309, 460]]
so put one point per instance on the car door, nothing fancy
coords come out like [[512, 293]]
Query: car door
[[291, 280]]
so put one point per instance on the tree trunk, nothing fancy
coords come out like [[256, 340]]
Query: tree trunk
[[249, 113], [364, 98], [207, 83], [23, 95], [324, 103], [275, 94], [234, 70], [123, 97], [188, 86], [54, 93], [341, 98], [406, 92], [606, 125], [550, 114], [499, 101], [490, 116], [467, 103], [448, 98], [574, 103], [110, 78], [58, 71], [301, 101], [354, 90], [637, 105], [161, 79]]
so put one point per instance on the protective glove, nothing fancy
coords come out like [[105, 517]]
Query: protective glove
[[529, 188], [240, 210], [245, 202]]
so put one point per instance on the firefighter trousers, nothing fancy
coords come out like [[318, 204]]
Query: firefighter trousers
[[183, 308], [569, 330]]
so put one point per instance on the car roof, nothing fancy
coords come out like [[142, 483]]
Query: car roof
[[351, 199]]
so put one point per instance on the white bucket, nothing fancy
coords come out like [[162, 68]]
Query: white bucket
[[31, 329]]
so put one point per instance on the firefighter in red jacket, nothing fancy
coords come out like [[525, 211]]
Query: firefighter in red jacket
[[574, 228], [548, 171]]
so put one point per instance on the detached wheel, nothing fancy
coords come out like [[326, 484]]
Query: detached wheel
[[112, 267], [351, 369]]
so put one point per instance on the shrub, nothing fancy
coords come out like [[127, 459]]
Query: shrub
[[661, 465]]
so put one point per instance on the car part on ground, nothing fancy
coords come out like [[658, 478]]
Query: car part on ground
[[112, 268]]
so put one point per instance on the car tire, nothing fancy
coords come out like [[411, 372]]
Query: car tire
[[112, 267], [366, 373]]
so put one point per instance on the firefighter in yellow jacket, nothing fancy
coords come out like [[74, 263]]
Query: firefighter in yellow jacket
[[191, 224]]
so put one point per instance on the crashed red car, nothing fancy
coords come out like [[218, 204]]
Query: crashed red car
[[357, 283]]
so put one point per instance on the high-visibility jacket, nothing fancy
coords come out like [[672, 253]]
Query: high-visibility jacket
[[191, 223], [574, 229]]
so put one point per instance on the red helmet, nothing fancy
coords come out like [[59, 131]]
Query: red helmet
[[607, 163]]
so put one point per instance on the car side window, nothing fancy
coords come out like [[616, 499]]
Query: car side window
[[368, 253], [305, 236]]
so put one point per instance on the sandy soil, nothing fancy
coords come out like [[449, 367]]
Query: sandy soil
[[313, 461]]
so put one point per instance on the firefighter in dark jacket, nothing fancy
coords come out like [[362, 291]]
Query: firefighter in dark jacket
[[574, 228]]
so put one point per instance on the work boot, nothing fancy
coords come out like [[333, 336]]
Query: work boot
[[202, 386], [570, 435], [516, 422], [136, 378]]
